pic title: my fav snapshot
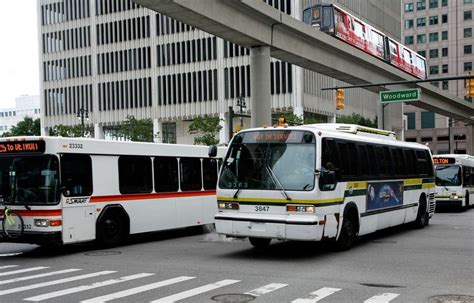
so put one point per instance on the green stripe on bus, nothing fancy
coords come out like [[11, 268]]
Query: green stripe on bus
[[291, 203], [412, 187], [356, 192]]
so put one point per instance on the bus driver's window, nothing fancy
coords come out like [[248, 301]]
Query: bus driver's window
[[76, 174]]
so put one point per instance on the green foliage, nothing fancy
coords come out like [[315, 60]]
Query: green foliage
[[66, 131], [27, 127], [133, 129], [207, 128], [357, 119]]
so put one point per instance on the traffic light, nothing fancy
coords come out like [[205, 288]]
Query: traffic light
[[339, 98], [470, 86], [281, 121]]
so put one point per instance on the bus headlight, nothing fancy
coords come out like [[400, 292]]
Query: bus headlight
[[41, 222], [228, 205], [300, 208], [455, 196]]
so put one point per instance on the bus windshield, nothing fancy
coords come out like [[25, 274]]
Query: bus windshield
[[271, 160], [29, 180], [448, 175]]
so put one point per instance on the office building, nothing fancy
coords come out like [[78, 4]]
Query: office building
[[440, 30], [25, 106]]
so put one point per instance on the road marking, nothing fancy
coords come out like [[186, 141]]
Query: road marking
[[266, 289], [54, 282], [318, 295], [8, 273], [136, 290], [382, 298], [39, 276], [195, 291], [10, 254], [8, 266], [86, 287]]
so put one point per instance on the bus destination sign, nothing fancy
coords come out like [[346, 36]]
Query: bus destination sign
[[439, 160], [22, 147]]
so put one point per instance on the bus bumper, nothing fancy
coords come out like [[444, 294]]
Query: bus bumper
[[290, 227], [40, 238], [449, 202]]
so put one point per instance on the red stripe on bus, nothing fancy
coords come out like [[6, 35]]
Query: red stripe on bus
[[37, 213], [98, 199]]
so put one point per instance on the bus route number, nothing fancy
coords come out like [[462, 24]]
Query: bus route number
[[261, 208], [75, 145]]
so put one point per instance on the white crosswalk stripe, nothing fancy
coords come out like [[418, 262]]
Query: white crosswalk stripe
[[136, 290], [195, 291], [39, 276], [316, 296], [54, 282], [266, 289], [86, 287], [8, 266], [382, 298], [14, 272]]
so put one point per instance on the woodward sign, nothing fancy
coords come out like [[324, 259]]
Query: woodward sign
[[400, 95]]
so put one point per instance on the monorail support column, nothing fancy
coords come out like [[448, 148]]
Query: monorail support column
[[261, 104], [470, 137]]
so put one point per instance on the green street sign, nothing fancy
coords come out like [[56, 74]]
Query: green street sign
[[400, 95]]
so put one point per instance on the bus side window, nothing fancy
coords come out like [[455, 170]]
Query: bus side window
[[135, 174], [76, 174], [209, 172], [190, 169], [166, 174]]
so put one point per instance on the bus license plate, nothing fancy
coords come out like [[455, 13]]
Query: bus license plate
[[262, 208]]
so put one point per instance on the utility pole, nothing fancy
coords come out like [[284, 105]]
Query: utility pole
[[82, 114]]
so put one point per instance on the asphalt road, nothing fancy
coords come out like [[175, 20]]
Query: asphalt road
[[395, 265]]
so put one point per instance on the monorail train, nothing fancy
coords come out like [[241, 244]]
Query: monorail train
[[337, 22]]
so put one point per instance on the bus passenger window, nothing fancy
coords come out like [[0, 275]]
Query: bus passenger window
[[209, 172], [76, 174], [135, 174], [190, 169], [166, 174]]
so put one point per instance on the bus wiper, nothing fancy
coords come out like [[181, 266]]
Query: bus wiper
[[276, 181], [237, 192]]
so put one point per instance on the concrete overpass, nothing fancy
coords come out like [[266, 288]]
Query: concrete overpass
[[263, 29]]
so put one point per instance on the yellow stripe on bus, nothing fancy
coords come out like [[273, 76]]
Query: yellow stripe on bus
[[265, 200], [356, 185], [413, 182], [428, 185]]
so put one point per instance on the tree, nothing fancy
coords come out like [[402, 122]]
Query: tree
[[206, 128], [27, 127], [357, 119], [136, 130], [66, 131]]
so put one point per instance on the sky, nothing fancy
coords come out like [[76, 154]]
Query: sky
[[19, 69]]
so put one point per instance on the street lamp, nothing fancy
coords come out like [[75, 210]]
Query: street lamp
[[242, 106], [82, 114]]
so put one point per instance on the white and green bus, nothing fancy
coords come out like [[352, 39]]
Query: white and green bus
[[322, 182], [454, 180]]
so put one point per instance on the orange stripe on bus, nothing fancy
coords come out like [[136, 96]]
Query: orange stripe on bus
[[98, 199], [39, 213]]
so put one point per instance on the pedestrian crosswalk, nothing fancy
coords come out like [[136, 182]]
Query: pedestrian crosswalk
[[39, 277]]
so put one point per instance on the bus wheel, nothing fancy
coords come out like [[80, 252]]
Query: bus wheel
[[422, 217], [260, 243], [348, 233], [111, 229], [467, 201]]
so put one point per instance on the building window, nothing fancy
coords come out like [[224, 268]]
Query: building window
[[169, 132], [444, 68], [420, 5], [433, 37], [468, 32], [420, 22], [444, 52], [467, 1], [434, 70], [421, 38], [408, 7], [427, 120], [433, 3], [467, 15], [408, 40], [433, 20], [434, 53], [409, 23], [444, 35], [445, 85], [467, 66], [422, 53], [467, 49], [411, 121], [444, 18], [444, 3]]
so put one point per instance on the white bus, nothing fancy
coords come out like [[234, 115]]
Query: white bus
[[70, 190], [322, 182], [454, 178]]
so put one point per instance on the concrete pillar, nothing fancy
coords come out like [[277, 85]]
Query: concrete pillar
[[332, 118], [261, 105], [98, 131], [223, 133], [470, 137], [157, 131], [298, 72]]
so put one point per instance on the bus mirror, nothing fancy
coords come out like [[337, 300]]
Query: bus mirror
[[66, 192], [212, 151]]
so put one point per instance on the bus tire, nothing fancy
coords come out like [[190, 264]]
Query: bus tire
[[348, 234], [260, 243], [466, 207], [112, 228], [422, 217]]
